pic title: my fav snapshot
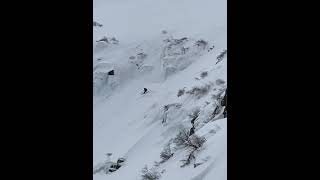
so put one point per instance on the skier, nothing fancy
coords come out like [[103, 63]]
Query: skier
[[111, 72], [145, 90]]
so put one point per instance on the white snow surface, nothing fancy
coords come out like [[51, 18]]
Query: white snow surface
[[128, 123]]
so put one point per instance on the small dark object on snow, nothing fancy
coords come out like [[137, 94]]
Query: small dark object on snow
[[191, 131], [114, 167], [97, 24], [104, 39], [192, 121], [145, 90], [223, 101], [120, 160], [225, 112], [201, 43], [204, 74], [211, 48], [184, 39], [196, 164], [181, 92], [111, 72]]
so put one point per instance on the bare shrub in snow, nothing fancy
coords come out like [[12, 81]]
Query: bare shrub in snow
[[178, 54], [184, 140], [103, 167], [196, 164], [189, 158], [181, 138], [199, 91], [221, 56], [113, 40], [166, 153], [202, 43], [103, 39], [204, 74], [180, 92], [107, 40], [95, 23], [194, 115], [166, 109], [191, 142], [150, 174], [196, 141]]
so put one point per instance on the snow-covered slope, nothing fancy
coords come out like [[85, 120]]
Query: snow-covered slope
[[165, 46]]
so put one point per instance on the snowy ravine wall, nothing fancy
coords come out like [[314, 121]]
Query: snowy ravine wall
[[177, 49]]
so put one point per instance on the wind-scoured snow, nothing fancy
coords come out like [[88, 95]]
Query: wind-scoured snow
[[164, 46]]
